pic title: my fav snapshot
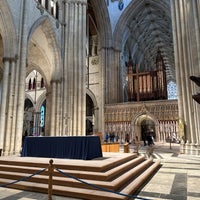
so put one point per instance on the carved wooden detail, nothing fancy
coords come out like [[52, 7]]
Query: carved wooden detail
[[147, 85]]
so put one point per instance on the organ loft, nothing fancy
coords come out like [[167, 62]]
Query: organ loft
[[148, 84]]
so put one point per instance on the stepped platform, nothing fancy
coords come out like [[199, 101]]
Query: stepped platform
[[113, 176]]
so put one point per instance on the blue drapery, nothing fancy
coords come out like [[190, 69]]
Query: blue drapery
[[77, 147]]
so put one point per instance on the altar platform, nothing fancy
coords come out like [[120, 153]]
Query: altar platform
[[73, 147]]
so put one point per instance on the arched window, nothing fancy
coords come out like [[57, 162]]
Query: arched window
[[46, 4], [172, 90], [42, 116], [30, 84], [34, 83], [42, 83], [57, 11], [52, 4]]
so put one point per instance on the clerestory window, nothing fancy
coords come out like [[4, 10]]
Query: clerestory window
[[51, 6]]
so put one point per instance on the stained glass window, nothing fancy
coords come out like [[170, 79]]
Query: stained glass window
[[172, 90], [42, 114]]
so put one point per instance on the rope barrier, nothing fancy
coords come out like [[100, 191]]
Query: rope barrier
[[50, 169], [97, 187], [24, 178]]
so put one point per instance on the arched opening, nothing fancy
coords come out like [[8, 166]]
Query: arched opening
[[35, 108], [89, 115], [28, 118], [147, 129], [42, 118]]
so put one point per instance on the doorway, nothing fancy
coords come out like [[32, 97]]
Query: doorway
[[148, 128]]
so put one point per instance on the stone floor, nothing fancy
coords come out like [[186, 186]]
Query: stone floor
[[177, 179]]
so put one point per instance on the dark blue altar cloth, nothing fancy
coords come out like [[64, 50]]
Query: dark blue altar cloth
[[72, 147]]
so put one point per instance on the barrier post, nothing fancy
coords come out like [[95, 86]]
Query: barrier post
[[50, 170]]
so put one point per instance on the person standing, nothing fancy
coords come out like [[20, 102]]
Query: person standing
[[150, 143]]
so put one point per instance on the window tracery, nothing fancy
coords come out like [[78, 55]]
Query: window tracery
[[172, 90]]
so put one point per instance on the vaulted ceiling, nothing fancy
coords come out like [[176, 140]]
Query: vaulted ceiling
[[148, 29], [144, 26]]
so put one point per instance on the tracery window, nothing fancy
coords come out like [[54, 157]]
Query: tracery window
[[30, 84], [42, 116], [172, 90]]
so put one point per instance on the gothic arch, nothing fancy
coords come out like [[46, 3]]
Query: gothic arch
[[43, 24], [38, 69], [7, 31], [96, 109], [104, 27], [137, 120], [40, 101], [27, 96], [92, 96]]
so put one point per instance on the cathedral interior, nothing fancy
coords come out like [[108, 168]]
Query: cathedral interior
[[76, 68]]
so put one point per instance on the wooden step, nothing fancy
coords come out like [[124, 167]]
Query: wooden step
[[89, 193], [123, 175], [107, 175], [58, 180]]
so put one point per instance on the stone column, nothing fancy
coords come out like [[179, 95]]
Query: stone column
[[186, 47], [14, 113], [48, 112], [196, 28], [3, 113], [58, 110], [75, 67], [179, 54], [112, 65], [22, 77], [65, 99], [11, 107], [104, 92], [53, 110], [195, 11]]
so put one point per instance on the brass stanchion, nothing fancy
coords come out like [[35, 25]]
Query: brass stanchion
[[50, 169]]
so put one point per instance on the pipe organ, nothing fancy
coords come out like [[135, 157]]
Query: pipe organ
[[147, 85]]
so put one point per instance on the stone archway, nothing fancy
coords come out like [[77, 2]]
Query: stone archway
[[92, 114], [8, 73], [144, 124], [45, 58]]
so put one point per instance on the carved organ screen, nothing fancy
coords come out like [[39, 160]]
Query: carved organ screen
[[147, 85]]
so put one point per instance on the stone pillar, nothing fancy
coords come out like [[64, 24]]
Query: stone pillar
[[176, 35], [10, 109], [14, 113], [48, 112], [53, 110], [195, 11], [65, 98], [58, 110], [112, 71], [182, 43], [75, 67], [3, 113], [22, 77]]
